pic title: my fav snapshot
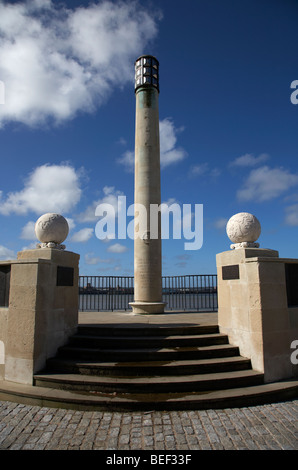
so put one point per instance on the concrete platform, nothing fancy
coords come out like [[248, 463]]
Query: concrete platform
[[130, 319]]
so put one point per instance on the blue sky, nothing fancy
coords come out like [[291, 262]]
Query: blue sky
[[228, 125]]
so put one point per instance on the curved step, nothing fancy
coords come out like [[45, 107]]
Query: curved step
[[135, 342], [248, 396], [150, 330], [145, 369], [170, 384], [150, 354]]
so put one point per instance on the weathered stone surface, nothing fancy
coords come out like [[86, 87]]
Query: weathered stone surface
[[243, 229], [254, 312], [147, 249], [51, 230], [41, 315]]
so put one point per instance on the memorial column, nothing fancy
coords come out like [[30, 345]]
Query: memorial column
[[147, 243]]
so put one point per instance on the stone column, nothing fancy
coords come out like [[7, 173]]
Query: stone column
[[147, 244]]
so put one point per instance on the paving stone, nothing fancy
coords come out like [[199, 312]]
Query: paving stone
[[268, 427]]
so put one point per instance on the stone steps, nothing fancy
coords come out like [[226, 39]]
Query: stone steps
[[218, 399], [148, 363], [147, 330], [137, 342], [165, 384], [149, 354], [147, 367], [107, 344]]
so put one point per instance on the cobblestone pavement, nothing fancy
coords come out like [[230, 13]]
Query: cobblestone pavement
[[268, 427]]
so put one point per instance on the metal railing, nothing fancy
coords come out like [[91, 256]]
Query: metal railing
[[192, 292], [105, 292], [182, 293]]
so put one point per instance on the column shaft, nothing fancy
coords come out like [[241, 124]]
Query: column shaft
[[147, 261]]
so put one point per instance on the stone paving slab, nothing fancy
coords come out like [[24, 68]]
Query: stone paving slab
[[127, 318], [268, 427]]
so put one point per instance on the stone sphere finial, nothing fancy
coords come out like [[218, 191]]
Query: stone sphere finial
[[51, 230], [243, 230]]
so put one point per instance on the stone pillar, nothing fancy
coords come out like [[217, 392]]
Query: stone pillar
[[253, 308], [43, 303], [147, 243]]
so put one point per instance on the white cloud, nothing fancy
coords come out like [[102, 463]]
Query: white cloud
[[57, 61], [117, 248], [169, 152], [49, 188], [110, 197], [89, 214], [215, 172], [220, 223], [6, 253], [91, 259], [128, 160], [169, 202], [82, 235], [291, 198], [249, 160], [203, 169], [71, 223], [28, 231], [198, 170], [266, 183], [292, 215], [122, 141]]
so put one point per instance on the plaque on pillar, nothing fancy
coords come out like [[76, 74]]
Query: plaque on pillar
[[65, 276], [230, 272], [4, 285], [292, 283]]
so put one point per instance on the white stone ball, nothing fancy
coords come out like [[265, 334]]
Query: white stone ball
[[51, 228], [243, 227]]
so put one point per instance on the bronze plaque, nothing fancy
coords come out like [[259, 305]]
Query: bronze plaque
[[4, 285], [65, 276], [292, 284], [230, 272]]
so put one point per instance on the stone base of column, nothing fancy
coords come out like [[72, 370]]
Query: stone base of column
[[147, 308]]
